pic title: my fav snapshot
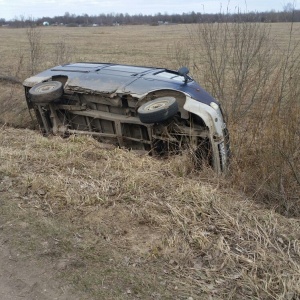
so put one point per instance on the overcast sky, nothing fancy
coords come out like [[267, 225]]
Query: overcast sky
[[9, 9]]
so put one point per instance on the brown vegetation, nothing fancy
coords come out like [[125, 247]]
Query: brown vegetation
[[200, 239], [257, 83], [207, 234]]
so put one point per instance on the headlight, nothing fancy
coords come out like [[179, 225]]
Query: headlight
[[214, 105]]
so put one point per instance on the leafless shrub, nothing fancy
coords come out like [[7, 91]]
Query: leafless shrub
[[235, 61], [257, 84], [34, 37]]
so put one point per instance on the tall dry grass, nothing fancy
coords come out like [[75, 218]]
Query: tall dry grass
[[257, 82]]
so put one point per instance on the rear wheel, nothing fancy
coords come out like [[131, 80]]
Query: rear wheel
[[46, 92]]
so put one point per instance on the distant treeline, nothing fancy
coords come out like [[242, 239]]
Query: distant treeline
[[287, 15]]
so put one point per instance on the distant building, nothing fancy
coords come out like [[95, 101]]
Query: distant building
[[45, 23], [163, 23]]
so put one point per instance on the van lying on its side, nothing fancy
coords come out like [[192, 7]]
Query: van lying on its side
[[152, 109]]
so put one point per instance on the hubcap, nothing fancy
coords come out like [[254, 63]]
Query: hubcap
[[157, 105]]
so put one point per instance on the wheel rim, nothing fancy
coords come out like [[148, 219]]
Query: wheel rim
[[45, 88], [156, 106]]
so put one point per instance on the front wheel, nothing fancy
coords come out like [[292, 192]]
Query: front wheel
[[46, 92], [158, 110]]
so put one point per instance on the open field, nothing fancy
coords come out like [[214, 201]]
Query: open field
[[139, 45], [118, 225]]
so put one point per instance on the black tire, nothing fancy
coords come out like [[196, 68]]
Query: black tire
[[158, 110], [46, 92]]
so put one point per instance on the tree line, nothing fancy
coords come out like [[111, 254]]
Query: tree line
[[287, 15]]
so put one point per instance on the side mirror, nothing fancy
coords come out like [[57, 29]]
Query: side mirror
[[183, 71]]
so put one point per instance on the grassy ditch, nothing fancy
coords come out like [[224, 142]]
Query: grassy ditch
[[144, 225]]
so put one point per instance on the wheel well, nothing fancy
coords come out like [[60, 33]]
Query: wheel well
[[60, 78], [197, 120], [179, 96]]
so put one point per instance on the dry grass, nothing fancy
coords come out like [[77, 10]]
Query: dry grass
[[210, 241], [200, 235], [141, 45]]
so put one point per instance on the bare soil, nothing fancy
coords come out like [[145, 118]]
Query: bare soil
[[23, 277], [38, 263]]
